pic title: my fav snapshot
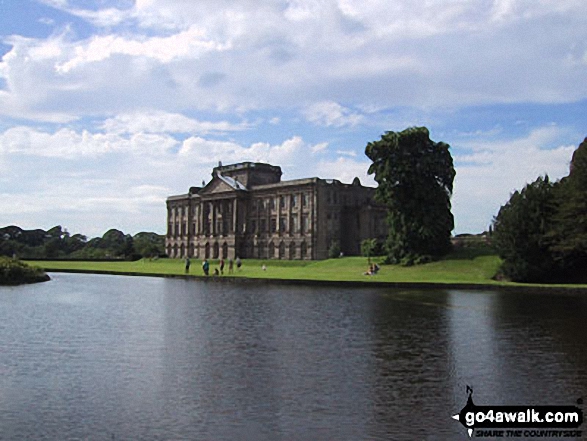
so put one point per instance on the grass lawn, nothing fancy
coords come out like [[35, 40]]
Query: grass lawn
[[462, 266], [468, 266]]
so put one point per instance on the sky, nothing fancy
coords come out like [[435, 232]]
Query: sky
[[107, 107]]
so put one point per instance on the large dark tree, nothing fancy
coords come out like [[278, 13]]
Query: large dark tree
[[415, 177], [520, 233], [569, 233], [541, 233]]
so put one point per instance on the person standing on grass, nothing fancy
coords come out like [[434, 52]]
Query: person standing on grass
[[187, 265], [206, 266], [230, 266], [221, 266]]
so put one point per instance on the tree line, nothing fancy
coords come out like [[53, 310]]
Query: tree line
[[58, 243], [541, 232]]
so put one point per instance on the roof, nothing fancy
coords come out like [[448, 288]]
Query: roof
[[231, 182]]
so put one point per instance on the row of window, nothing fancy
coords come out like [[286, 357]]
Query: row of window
[[224, 208], [261, 251], [283, 201], [291, 225], [333, 198]]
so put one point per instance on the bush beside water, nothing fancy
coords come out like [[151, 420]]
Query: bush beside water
[[15, 272]]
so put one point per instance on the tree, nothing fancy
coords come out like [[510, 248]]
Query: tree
[[520, 233], [368, 247], [415, 177], [149, 244], [334, 250], [569, 232]]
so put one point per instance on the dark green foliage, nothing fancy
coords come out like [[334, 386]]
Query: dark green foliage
[[14, 272], [334, 250], [57, 243], [368, 247], [520, 233], [569, 233], [541, 233], [415, 177], [149, 244]]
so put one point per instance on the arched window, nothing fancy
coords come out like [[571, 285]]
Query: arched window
[[271, 250]]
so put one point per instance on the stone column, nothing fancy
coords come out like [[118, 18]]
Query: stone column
[[235, 216], [214, 218]]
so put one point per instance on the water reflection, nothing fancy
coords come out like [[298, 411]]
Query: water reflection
[[519, 348], [103, 357]]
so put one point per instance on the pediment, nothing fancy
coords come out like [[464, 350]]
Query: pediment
[[216, 185]]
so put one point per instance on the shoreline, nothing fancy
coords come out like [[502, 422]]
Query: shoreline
[[508, 286], [29, 281], [15, 272]]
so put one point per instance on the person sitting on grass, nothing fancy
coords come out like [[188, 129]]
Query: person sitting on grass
[[373, 269]]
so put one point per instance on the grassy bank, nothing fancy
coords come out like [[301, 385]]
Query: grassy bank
[[15, 272], [464, 267]]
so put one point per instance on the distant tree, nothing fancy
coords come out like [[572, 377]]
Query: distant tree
[[415, 177], [368, 248], [520, 233], [57, 232], [149, 244], [117, 244], [74, 243], [52, 248], [334, 250]]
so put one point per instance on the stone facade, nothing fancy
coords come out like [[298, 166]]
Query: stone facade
[[246, 210]]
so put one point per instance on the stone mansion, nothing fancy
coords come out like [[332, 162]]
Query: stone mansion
[[247, 211]]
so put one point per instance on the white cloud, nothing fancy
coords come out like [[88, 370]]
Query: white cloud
[[162, 122], [291, 155], [345, 169], [494, 170], [328, 113], [191, 43], [89, 182]]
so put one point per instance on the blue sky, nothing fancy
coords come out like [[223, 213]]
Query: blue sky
[[109, 106]]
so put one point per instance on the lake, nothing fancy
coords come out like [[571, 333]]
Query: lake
[[126, 358]]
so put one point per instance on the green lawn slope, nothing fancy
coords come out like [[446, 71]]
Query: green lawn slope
[[461, 267], [464, 267]]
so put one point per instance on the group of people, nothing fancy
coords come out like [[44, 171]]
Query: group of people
[[217, 271], [372, 270]]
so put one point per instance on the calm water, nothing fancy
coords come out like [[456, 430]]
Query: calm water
[[128, 358]]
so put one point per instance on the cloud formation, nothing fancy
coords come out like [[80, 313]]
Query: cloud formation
[[174, 55]]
